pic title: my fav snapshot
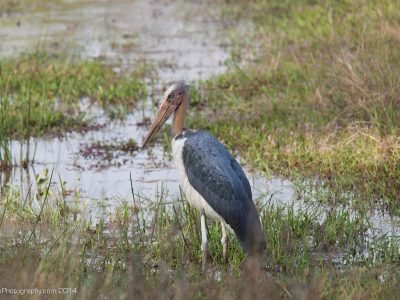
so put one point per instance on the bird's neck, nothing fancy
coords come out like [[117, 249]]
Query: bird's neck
[[179, 119]]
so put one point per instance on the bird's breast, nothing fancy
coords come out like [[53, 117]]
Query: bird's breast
[[193, 196]]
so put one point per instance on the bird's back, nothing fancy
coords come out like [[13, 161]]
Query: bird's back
[[219, 179]]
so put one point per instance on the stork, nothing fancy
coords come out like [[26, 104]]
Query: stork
[[211, 178]]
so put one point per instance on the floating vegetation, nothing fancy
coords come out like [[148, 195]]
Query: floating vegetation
[[106, 154]]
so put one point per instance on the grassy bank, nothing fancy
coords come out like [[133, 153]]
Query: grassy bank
[[43, 93], [321, 97], [149, 248]]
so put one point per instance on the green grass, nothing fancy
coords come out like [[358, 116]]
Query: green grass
[[40, 94], [151, 249], [321, 98]]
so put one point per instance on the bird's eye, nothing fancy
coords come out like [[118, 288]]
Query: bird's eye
[[171, 95]]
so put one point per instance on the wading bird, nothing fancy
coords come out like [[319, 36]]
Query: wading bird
[[212, 179]]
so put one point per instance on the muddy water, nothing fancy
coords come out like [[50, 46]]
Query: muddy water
[[183, 39]]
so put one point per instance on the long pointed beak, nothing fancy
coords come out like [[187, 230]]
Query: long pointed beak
[[164, 112]]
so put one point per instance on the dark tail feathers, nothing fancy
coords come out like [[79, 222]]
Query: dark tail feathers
[[253, 242]]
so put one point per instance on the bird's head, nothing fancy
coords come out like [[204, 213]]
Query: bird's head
[[174, 97]]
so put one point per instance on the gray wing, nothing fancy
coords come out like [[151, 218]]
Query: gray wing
[[219, 179]]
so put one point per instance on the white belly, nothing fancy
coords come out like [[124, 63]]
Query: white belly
[[192, 195]]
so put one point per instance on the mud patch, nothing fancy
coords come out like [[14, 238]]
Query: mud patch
[[105, 154]]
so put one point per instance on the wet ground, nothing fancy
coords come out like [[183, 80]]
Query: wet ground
[[184, 40]]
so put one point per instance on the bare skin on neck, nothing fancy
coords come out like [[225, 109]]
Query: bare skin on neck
[[179, 118]]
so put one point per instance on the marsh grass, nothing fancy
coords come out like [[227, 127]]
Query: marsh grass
[[5, 154], [41, 93], [321, 97], [151, 248]]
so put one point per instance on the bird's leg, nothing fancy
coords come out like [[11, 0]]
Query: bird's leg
[[224, 242], [203, 240]]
